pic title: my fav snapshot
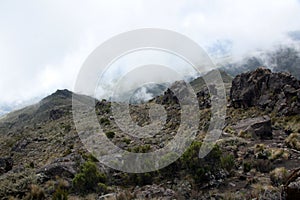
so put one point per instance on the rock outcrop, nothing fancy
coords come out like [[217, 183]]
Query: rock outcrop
[[279, 92]]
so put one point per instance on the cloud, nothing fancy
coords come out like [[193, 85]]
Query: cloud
[[248, 24], [44, 43]]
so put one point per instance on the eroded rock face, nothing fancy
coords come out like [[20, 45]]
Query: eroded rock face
[[269, 91], [258, 127]]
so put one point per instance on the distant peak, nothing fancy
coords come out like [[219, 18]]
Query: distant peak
[[64, 92]]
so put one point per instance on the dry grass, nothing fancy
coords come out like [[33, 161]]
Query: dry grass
[[293, 141]]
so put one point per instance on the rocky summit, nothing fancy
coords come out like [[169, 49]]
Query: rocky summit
[[256, 157]]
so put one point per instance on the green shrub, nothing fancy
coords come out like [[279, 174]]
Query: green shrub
[[104, 121], [89, 178], [110, 135], [127, 140], [89, 157], [142, 149], [247, 166], [31, 165], [141, 179], [102, 187], [135, 179], [200, 167], [67, 128], [60, 194], [227, 162]]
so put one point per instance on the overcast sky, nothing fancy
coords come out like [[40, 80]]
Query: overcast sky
[[44, 43]]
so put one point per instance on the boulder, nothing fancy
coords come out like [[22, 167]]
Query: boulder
[[258, 127], [58, 169], [65, 167]]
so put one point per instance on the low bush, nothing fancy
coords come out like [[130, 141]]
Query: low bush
[[104, 121], [293, 141], [278, 176], [110, 135], [247, 166], [199, 168], [61, 188], [263, 166], [227, 162], [36, 193], [60, 194], [89, 178], [141, 179], [142, 149]]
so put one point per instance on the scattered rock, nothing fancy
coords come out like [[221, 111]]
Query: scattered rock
[[154, 192]]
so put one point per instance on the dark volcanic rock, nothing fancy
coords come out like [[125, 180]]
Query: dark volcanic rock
[[259, 127], [292, 186], [203, 97], [20, 146], [65, 167], [293, 190], [266, 90], [6, 164], [167, 98], [56, 114]]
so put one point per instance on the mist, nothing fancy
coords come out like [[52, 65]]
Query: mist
[[44, 44]]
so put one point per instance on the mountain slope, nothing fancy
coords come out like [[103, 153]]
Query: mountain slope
[[258, 149]]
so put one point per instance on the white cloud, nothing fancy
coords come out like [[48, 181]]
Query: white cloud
[[43, 43]]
